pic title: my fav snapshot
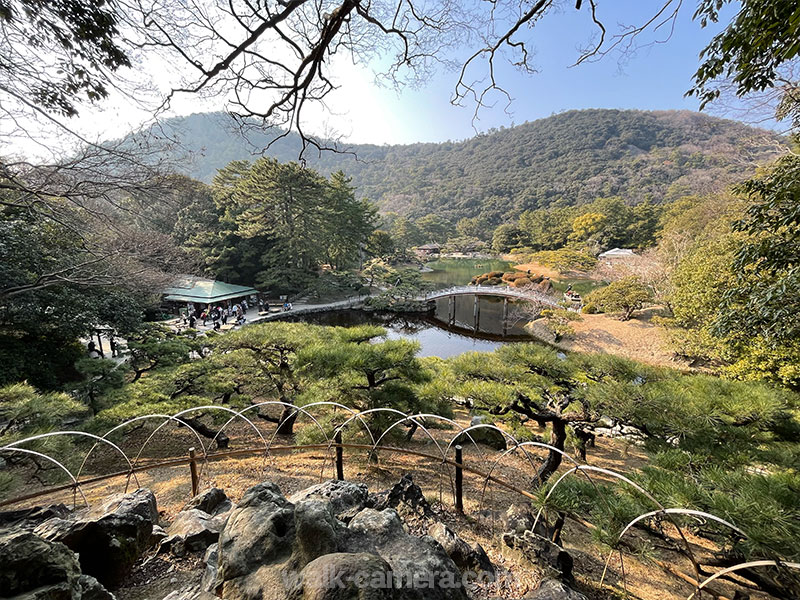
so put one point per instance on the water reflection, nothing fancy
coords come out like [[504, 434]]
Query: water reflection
[[435, 336]]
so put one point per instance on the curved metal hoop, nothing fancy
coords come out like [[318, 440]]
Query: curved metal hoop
[[52, 460], [134, 420], [681, 511], [745, 565], [79, 434]]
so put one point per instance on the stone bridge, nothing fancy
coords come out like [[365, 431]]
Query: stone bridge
[[502, 292]]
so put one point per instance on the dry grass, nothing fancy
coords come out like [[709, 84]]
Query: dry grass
[[297, 470]]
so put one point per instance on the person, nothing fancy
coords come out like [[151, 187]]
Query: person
[[224, 316], [192, 321], [244, 305], [216, 325], [114, 347]]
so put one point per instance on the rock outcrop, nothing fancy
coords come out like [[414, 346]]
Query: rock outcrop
[[466, 557], [37, 569], [547, 555], [273, 548], [108, 538]]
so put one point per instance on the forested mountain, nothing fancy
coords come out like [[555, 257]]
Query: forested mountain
[[570, 158]]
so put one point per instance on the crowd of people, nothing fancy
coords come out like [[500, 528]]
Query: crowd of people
[[219, 315]]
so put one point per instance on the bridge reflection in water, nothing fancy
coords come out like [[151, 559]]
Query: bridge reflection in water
[[489, 317]]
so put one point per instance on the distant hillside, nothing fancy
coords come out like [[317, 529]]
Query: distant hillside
[[572, 158]]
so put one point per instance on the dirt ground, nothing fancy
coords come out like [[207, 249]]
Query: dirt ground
[[484, 500], [538, 269], [637, 339]]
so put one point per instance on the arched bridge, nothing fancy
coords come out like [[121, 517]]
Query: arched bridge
[[502, 292]]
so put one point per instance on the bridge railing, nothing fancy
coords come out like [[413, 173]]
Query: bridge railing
[[490, 291]]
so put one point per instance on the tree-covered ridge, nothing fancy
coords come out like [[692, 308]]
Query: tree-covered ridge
[[569, 158]]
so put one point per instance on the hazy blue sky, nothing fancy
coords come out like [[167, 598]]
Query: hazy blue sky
[[654, 76]]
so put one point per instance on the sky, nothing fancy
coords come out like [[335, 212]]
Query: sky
[[653, 76]]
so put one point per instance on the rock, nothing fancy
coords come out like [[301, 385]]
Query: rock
[[108, 538], [465, 557], [209, 580], [346, 498], [404, 492], [411, 558], [271, 548], [190, 594], [191, 531], [257, 537], [551, 589], [542, 552], [91, 589], [212, 501], [518, 518], [316, 531], [157, 535], [29, 518], [605, 421], [34, 568], [342, 576]]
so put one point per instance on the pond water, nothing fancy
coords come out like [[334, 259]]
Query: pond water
[[448, 272], [435, 334]]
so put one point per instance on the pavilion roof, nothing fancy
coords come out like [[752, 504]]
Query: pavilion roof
[[205, 291]]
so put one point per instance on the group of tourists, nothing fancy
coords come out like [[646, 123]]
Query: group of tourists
[[219, 315]]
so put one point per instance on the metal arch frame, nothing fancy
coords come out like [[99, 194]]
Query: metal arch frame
[[413, 418], [522, 445], [640, 489], [275, 433], [141, 449], [681, 511], [80, 434], [744, 565], [207, 407], [75, 483]]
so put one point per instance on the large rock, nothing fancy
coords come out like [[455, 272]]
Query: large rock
[[519, 518], [213, 501], [108, 538], [34, 568], [346, 498], [466, 557], [271, 548], [258, 538], [29, 518], [192, 531], [540, 551], [551, 589], [344, 576], [412, 559]]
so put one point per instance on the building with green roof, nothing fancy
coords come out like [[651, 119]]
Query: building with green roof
[[197, 290]]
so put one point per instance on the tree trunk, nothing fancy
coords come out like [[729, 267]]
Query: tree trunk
[[557, 438], [222, 440], [287, 419]]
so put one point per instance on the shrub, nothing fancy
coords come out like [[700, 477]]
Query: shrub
[[590, 308], [521, 282], [623, 297]]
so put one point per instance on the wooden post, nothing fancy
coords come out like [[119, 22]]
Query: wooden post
[[193, 470], [476, 313], [339, 455], [459, 481]]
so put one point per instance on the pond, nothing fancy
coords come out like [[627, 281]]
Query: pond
[[448, 272], [433, 332]]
